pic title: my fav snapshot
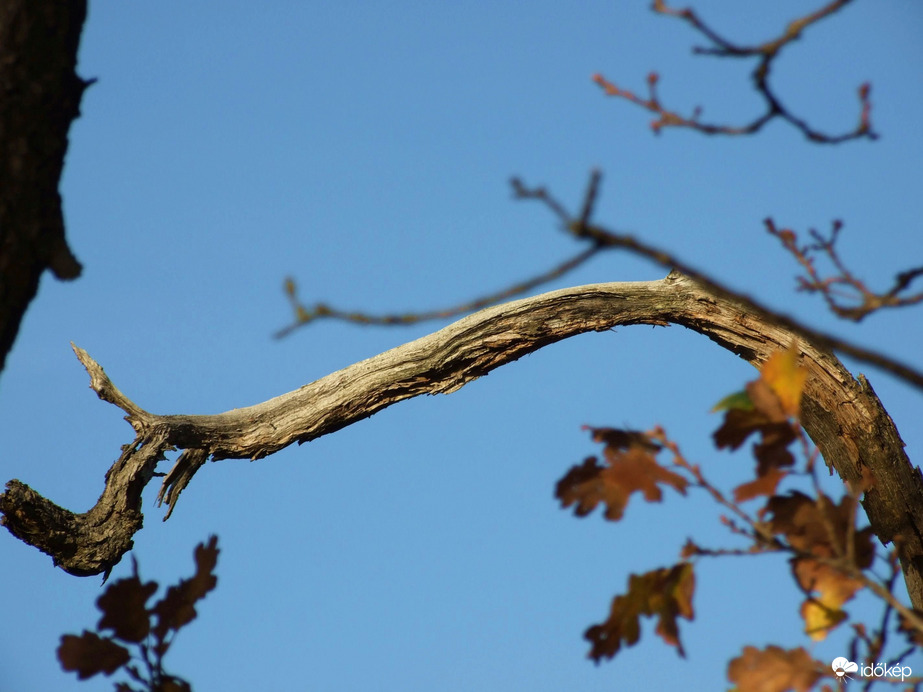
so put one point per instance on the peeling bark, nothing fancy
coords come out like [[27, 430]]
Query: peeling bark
[[840, 413]]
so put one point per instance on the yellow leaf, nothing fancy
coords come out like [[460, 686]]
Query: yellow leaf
[[823, 612], [820, 619], [786, 378]]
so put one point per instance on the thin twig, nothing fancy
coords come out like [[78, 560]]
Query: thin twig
[[305, 315], [765, 53], [756, 529], [860, 300], [602, 237]]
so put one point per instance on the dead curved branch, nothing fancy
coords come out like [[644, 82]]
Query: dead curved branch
[[842, 414]]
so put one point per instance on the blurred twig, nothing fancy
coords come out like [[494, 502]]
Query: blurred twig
[[304, 315], [846, 295], [602, 237], [765, 53]]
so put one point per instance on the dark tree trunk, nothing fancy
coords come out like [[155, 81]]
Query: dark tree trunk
[[39, 99]]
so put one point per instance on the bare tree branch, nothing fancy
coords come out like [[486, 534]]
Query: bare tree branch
[[602, 237], [846, 295], [304, 315], [842, 414], [765, 54]]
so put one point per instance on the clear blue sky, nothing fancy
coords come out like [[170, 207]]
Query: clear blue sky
[[365, 148]]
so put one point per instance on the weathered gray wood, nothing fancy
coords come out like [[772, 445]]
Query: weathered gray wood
[[841, 414]]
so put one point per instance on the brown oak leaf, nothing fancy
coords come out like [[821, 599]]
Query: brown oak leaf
[[623, 439], [821, 528], [90, 654], [761, 485], [774, 669], [771, 451], [177, 607], [625, 472], [769, 406], [123, 607], [665, 593]]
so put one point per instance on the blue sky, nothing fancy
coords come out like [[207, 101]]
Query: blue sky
[[365, 149]]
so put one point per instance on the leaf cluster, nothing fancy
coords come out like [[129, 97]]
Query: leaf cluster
[[133, 625], [830, 557]]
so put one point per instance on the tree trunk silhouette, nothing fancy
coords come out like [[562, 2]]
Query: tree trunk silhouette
[[40, 98]]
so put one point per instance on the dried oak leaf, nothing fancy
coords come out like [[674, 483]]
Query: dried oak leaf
[[123, 607], [625, 472], [804, 521], [665, 593], [90, 654], [623, 439], [761, 485], [771, 451], [774, 669], [821, 528], [768, 407], [177, 607], [823, 612]]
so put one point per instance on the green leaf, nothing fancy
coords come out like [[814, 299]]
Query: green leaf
[[738, 400]]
